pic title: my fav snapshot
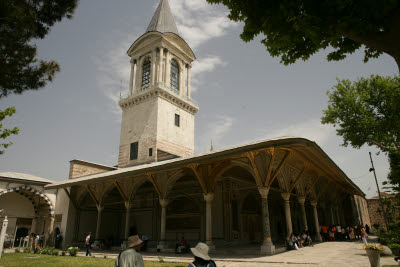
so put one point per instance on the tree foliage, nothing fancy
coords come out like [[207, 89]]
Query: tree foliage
[[298, 29], [21, 22], [367, 112], [4, 133]]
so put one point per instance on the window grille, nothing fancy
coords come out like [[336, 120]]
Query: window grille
[[174, 75], [134, 150], [146, 72]]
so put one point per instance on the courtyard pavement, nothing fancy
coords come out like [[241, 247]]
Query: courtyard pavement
[[322, 254]]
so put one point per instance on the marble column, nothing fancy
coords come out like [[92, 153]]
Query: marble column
[[163, 204], [182, 79], [99, 212], [188, 80], [160, 65], [133, 62], [138, 79], [167, 68], [50, 231], [289, 227], [209, 198], [332, 217], [316, 222], [153, 67], [267, 248], [337, 216], [127, 217], [302, 201]]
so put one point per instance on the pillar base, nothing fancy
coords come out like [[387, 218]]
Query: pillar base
[[267, 250]]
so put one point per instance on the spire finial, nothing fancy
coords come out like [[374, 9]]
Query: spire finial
[[163, 21], [212, 147]]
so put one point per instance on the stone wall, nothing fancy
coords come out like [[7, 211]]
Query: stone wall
[[80, 168], [375, 211]]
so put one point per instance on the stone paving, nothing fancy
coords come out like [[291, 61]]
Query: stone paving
[[323, 254]]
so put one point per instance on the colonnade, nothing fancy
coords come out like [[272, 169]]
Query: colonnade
[[160, 73], [267, 247]]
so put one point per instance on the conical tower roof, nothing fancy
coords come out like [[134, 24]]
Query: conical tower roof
[[163, 20]]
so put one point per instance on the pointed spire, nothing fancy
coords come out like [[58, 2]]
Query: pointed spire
[[212, 147], [163, 20]]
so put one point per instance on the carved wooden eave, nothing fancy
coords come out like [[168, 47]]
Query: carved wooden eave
[[301, 154]]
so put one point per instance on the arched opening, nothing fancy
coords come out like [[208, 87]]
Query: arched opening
[[146, 72], [186, 210], [251, 218], [143, 213], [86, 218], [174, 75], [112, 219]]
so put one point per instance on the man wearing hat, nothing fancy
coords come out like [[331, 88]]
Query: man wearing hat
[[130, 257], [201, 258]]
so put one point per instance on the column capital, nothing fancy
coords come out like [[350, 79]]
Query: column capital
[[127, 205], [286, 196], [263, 191], [209, 197], [164, 202], [133, 60], [314, 203], [99, 207], [301, 200], [189, 66]]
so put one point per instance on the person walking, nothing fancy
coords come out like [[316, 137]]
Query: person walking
[[364, 236], [88, 245], [201, 258], [130, 257]]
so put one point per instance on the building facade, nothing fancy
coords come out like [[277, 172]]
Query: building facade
[[254, 193], [28, 207]]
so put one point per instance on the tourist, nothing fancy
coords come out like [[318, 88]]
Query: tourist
[[339, 232], [130, 257], [331, 234], [364, 236], [289, 241], [344, 237], [351, 233], [88, 244], [201, 258], [325, 232], [181, 245], [145, 240]]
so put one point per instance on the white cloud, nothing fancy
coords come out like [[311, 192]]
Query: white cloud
[[113, 68], [198, 21], [202, 66], [216, 130]]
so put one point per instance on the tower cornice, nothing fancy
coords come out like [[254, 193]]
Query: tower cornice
[[159, 91]]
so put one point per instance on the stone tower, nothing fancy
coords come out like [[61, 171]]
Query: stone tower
[[158, 112]]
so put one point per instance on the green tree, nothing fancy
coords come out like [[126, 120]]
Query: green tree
[[298, 29], [4, 133], [22, 22], [367, 112]]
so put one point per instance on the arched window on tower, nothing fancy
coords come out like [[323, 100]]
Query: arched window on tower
[[174, 75], [146, 72]]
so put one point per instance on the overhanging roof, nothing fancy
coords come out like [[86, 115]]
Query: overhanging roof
[[308, 149]]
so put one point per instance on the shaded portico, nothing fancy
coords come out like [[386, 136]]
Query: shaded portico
[[212, 197]]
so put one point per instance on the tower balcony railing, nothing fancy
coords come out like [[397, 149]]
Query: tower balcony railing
[[164, 86]]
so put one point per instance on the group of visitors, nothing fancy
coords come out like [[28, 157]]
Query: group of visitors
[[130, 257], [295, 241], [341, 233]]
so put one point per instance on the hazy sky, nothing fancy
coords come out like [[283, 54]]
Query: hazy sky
[[244, 94]]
